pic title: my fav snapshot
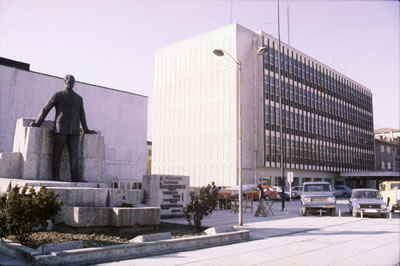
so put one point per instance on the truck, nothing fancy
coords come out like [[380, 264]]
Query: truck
[[318, 196], [390, 192]]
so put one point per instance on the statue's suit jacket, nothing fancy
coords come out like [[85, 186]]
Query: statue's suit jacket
[[69, 112]]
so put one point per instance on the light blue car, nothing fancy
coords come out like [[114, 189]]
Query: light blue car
[[318, 196], [367, 201]]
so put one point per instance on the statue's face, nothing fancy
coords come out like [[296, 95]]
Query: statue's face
[[69, 81]]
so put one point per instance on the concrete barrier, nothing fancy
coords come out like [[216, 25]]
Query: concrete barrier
[[120, 252], [136, 250]]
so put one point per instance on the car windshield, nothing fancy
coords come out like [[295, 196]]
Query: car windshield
[[395, 186], [317, 188], [366, 195]]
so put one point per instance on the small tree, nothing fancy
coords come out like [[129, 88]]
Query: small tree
[[200, 205], [23, 209]]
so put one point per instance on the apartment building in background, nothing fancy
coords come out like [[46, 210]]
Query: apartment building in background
[[387, 150], [327, 117]]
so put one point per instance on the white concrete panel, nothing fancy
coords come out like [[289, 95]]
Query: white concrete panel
[[194, 104]]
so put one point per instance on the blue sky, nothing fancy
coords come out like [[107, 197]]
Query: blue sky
[[112, 43]]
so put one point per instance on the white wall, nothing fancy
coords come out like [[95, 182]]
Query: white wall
[[120, 116], [194, 114]]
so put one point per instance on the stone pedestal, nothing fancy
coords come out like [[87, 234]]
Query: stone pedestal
[[36, 147], [169, 192]]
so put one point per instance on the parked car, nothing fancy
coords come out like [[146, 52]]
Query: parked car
[[249, 191], [342, 191], [233, 192], [318, 196], [297, 191], [279, 190], [390, 191], [269, 193], [367, 201]]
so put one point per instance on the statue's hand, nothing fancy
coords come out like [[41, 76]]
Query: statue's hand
[[33, 124], [90, 132]]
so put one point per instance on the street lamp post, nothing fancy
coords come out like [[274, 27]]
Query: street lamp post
[[281, 114], [221, 52]]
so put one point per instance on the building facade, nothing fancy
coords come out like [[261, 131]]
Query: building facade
[[388, 134], [387, 156], [120, 116], [327, 117]]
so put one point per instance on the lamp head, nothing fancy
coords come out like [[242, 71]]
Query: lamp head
[[262, 50], [218, 52]]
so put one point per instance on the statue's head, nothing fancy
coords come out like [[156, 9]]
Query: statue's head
[[69, 81]]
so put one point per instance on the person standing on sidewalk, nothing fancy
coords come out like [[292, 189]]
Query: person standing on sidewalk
[[214, 194], [261, 206]]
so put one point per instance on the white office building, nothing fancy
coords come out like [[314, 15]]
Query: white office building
[[327, 117]]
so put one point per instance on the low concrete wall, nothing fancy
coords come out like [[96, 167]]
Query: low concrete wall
[[135, 250], [10, 164], [17, 250], [103, 216]]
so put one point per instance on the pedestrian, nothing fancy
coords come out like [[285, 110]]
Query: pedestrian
[[261, 206], [214, 194]]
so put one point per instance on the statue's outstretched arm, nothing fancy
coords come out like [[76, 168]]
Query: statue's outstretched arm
[[45, 110]]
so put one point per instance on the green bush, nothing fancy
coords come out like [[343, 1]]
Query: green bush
[[200, 205], [23, 209]]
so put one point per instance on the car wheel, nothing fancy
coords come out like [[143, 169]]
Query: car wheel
[[333, 212], [384, 215], [351, 211], [304, 211], [346, 195]]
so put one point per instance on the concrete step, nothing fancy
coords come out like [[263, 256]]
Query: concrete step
[[84, 196], [105, 216], [49, 183]]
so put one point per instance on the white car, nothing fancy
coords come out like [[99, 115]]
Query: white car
[[297, 191], [367, 201]]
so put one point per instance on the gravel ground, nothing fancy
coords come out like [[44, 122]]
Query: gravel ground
[[98, 239]]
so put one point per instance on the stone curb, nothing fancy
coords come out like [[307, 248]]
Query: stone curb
[[120, 252]]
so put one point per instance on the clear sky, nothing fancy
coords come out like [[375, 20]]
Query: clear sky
[[112, 43]]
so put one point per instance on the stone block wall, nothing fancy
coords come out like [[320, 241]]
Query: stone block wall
[[36, 148], [170, 193]]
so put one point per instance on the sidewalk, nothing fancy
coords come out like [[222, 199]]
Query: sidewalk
[[287, 238]]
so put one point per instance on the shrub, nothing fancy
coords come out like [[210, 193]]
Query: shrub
[[200, 205], [23, 209]]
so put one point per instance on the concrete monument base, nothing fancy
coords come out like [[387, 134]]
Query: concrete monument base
[[90, 203], [35, 144]]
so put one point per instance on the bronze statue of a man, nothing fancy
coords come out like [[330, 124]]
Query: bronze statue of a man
[[69, 115]]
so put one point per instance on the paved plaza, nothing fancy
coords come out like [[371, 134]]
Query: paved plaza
[[287, 238]]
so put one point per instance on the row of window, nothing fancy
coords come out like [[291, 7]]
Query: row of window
[[295, 67], [332, 113], [318, 154], [320, 103], [328, 129]]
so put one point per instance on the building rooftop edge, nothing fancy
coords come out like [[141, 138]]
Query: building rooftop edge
[[319, 62], [81, 82]]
